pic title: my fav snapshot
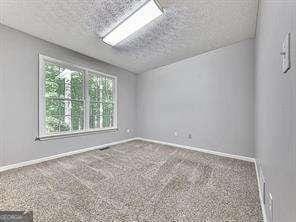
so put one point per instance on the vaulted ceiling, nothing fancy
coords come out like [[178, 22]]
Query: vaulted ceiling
[[187, 28]]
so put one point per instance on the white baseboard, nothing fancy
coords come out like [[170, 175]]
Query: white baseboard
[[249, 159], [245, 158], [260, 192], [30, 162], [40, 160]]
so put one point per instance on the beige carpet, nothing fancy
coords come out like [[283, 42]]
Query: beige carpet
[[135, 181]]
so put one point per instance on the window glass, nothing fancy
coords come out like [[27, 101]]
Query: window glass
[[73, 99], [101, 94], [64, 99]]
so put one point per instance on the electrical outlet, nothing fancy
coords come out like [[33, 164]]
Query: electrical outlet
[[176, 133], [286, 63], [262, 181], [264, 191], [128, 130], [189, 136], [270, 208]]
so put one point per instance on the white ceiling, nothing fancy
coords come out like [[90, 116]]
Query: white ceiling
[[187, 28]]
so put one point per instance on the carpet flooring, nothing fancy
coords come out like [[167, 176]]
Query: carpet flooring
[[135, 181]]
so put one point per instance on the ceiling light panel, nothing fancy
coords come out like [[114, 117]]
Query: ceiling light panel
[[147, 13]]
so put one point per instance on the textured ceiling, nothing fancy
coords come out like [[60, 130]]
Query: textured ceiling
[[187, 28]]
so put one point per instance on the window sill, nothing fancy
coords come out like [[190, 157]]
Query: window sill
[[75, 134]]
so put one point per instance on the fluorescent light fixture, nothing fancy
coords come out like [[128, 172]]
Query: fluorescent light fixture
[[148, 12]]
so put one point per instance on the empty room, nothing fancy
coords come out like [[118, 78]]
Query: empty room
[[148, 110]]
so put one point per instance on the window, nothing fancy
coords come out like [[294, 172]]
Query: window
[[73, 99]]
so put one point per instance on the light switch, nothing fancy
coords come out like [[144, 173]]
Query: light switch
[[286, 54]]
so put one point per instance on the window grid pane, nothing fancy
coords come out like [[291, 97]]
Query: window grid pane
[[71, 121]]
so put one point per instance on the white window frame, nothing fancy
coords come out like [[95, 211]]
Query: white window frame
[[86, 73]]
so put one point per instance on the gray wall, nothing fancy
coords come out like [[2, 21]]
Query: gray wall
[[210, 96], [19, 99], [276, 106]]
